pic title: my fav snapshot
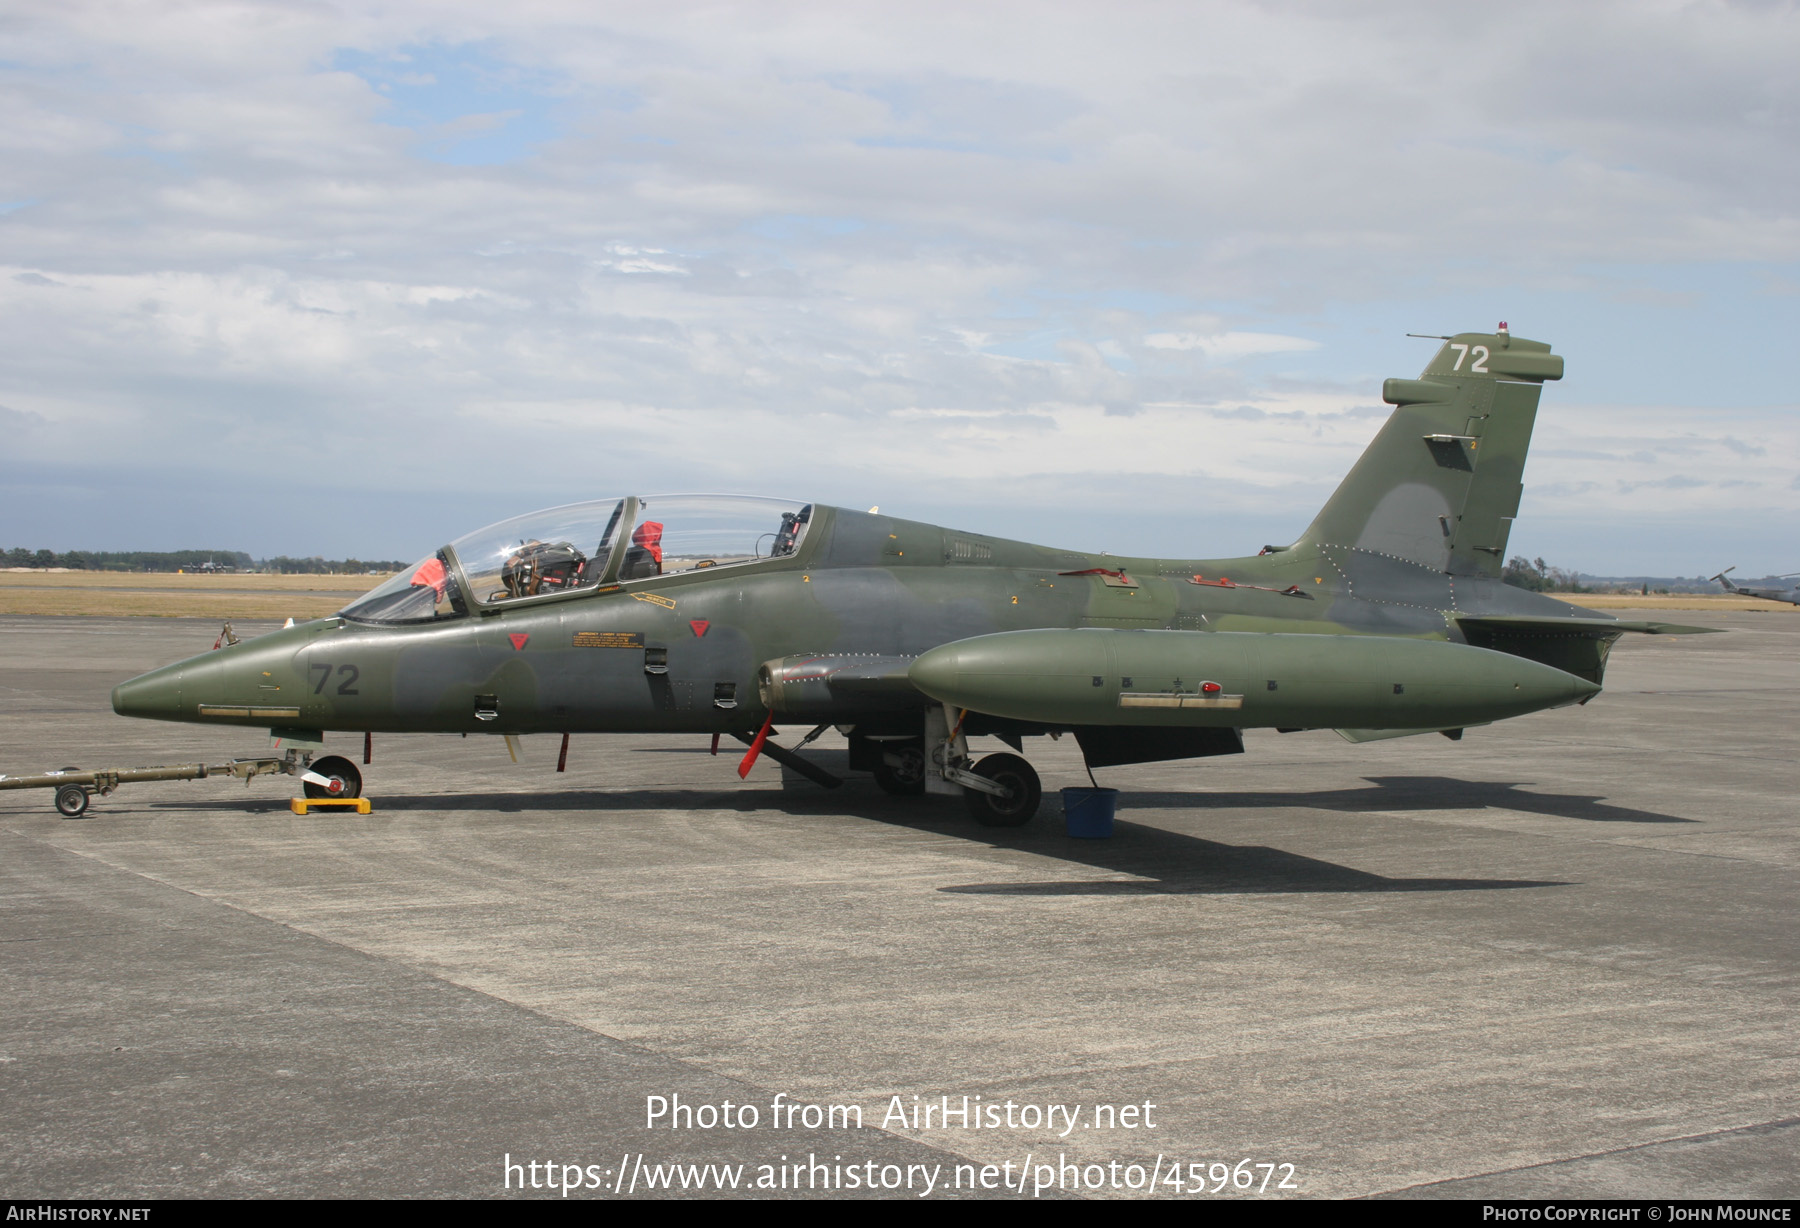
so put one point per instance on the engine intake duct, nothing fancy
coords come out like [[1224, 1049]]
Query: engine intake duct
[[833, 686]]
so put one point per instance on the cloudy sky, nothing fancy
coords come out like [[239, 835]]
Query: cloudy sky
[[355, 278]]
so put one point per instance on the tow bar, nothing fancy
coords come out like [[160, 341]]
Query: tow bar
[[76, 788]]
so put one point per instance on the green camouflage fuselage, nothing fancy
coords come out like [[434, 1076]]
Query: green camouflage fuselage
[[1408, 549], [861, 585]]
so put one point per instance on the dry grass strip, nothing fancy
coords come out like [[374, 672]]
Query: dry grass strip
[[171, 582], [103, 603], [125, 594], [1675, 601]]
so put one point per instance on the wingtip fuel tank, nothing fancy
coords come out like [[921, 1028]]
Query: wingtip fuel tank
[[1098, 676]]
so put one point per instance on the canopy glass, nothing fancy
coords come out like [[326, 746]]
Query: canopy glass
[[583, 545]]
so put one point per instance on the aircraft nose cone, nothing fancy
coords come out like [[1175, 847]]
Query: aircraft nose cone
[[156, 694]]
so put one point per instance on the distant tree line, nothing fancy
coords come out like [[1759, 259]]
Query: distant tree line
[[1540, 577], [189, 560], [316, 566]]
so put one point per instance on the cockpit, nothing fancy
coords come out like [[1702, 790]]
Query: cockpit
[[584, 546]]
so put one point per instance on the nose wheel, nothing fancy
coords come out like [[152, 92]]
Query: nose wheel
[[332, 776], [1019, 800]]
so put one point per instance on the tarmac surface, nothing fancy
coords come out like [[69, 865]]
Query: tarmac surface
[[1556, 959]]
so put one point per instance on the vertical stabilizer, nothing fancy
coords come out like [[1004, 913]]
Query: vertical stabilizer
[[1440, 484]]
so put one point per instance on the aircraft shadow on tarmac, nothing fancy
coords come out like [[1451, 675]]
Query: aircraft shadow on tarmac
[[1160, 861], [1415, 793], [1172, 863]]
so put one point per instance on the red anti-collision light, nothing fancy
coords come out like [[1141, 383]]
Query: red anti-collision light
[[1209, 688]]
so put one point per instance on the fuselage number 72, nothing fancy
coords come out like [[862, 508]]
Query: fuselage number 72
[[345, 684], [1478, 366]]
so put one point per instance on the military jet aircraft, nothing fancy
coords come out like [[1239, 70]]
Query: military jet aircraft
[[720, 615], [1790, 594]]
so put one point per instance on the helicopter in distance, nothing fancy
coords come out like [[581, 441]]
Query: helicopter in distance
[[1790, 594]]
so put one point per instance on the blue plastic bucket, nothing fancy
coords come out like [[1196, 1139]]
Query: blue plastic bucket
[[1089, 812]]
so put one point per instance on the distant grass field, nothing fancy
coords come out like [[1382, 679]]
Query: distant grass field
[[120, 594], [1677, 601]]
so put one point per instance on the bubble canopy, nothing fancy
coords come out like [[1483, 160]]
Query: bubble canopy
[[551, 551], [583, 545]]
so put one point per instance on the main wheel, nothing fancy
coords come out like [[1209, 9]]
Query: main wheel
[[907, 779], [71, 801], [1023, 792], [342, 778]]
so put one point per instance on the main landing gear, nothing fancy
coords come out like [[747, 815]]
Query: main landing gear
[[1019, 796], [999, 790], [901, 772]]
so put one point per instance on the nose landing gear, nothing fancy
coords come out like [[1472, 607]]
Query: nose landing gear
[[332, 776]]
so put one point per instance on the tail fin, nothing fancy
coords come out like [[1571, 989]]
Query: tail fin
[[1440, 484]]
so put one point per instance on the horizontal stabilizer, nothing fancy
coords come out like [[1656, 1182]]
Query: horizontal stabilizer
[[1575, 645], [1540, 625]]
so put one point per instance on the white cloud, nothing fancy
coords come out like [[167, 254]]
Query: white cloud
[[944, 249], [1656, 464], [1224, 347]]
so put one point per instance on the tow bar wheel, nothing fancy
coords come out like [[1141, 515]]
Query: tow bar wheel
[[71, 801], [339, 778]]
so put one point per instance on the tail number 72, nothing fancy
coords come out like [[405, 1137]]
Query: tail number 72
[[1478, 366], [347, 676]]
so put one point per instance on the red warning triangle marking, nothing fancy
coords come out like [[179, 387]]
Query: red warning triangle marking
[[700, 625], [518, 639]]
